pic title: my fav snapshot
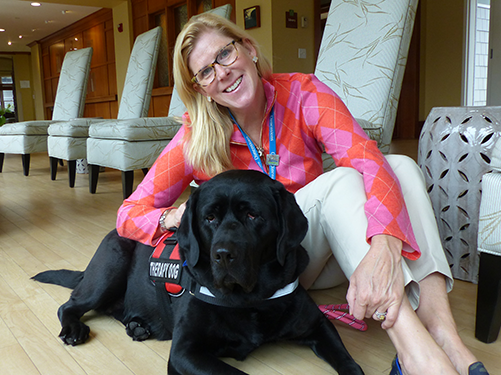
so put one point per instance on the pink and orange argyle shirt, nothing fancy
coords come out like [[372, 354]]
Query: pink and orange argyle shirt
[[309, 117]]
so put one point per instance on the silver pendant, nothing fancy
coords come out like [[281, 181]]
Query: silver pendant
[[260, 151]]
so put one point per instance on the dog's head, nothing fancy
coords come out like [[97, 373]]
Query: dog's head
[[241, 235]]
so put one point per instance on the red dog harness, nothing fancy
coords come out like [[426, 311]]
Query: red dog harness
[[166, 267]]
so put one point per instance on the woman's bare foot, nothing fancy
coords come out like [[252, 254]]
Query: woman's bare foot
[[418, 352]]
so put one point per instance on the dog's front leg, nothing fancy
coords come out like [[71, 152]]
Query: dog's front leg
[[103, 283], [326, 343], [189, 358]]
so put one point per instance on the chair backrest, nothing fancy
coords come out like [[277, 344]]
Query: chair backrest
[[136, 93], [177, 107], [362, 57], [72, 85]]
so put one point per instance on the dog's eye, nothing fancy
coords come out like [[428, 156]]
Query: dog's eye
[[251, 216], [210, 218]]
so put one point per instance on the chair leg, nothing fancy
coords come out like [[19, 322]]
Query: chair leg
[[93, 177], [53, 168], [26, 164], [61, 162], [1, 161], [145, 171], [127, 183], [72, 169], [488, 320]]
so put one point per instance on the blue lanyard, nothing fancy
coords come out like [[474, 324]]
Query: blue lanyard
[[272, 158]]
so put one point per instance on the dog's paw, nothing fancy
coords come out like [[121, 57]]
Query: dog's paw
[[137, 330], [74, 334]]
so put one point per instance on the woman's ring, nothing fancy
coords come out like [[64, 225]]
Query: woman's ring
[[380, 316]]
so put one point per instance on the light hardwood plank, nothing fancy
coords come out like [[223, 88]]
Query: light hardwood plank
[[15, 361]]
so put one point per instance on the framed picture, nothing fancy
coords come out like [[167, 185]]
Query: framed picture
[[252, 17]]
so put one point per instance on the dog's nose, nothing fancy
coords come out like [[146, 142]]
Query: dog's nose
[[223, 257]]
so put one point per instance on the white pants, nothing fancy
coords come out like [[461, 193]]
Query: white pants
[[336, 240]]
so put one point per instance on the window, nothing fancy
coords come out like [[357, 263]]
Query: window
[[477, 53], [180, 17], [7, 80]]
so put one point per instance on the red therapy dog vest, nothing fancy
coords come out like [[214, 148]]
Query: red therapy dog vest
[[166, 266]]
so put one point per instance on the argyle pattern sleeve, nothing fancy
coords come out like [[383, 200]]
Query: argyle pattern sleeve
[[138, 216], [309, 117]]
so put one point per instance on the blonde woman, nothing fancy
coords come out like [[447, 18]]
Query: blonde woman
[[370, 219]]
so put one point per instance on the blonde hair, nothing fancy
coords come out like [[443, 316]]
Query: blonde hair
[[207, 145]]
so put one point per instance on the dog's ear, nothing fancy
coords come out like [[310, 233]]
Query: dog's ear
[[293, 223], [188, 232]]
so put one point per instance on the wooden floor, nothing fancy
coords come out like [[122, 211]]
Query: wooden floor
[[46, 225]]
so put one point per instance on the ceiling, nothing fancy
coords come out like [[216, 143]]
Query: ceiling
[[18, 17]]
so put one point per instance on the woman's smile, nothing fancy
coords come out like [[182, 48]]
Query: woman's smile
[[234, 86]]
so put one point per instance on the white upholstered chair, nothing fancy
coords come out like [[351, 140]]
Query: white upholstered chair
[[134, 144], [68, 140], [28, 137], [488, 317], [362, 57]]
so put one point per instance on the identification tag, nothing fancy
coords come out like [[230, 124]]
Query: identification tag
[[273, 159]]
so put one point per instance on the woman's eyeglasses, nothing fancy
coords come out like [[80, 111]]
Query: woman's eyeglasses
[[226, 56]]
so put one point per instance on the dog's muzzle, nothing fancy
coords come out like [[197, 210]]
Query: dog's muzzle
[[231, 266]]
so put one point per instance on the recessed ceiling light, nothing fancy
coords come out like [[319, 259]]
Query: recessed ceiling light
[[9, 43], [1, 30], [35, 4], [20, 37]]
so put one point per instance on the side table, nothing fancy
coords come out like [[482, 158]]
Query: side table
[[454, 153]]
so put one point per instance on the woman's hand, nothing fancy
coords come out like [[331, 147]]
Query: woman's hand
[[378, 282], [173, 218]]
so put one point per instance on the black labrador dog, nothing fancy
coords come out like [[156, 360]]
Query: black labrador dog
[[240, 250]]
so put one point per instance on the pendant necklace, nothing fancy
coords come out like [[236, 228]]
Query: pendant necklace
[[260, 151]]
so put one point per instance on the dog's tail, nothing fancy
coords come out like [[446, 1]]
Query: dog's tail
[[66, 278]]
